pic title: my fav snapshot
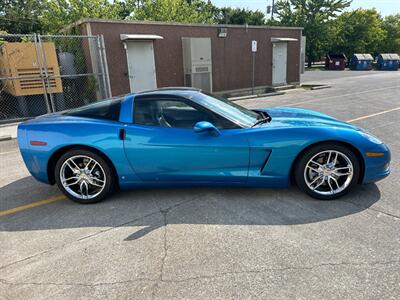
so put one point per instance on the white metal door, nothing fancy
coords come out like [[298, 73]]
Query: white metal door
[[279, 63], [141, 66]]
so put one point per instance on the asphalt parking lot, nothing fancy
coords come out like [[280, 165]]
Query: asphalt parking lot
[[208, 243]]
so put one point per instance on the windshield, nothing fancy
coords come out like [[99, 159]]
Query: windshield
[[228, 109]]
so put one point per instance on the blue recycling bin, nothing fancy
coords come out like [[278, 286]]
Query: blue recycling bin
[[361, 61], [388, 61]]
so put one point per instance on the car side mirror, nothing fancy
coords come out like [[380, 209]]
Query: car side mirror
[[204, 126]]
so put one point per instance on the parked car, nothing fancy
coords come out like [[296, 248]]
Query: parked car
[[186, 137]]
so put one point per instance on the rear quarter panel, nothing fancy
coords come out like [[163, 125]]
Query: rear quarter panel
[[98, 134]]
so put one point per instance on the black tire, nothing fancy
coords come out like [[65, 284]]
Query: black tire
[[301, 164], [108, 174]]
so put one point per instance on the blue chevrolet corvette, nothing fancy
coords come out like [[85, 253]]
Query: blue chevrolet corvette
[[185, 137]]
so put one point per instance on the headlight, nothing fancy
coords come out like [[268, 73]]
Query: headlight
[[371, 138]]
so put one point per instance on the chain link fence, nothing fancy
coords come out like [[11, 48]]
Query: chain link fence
[[41, 74]]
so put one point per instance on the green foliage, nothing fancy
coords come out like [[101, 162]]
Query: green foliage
[[194, 11], [52, 16], [20, 16], [174, 11], [358, 31], [59, 13], [314, 16], [391, 42], [229, 15]]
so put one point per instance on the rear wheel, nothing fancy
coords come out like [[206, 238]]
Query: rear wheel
[[84, 176], [327, 171]]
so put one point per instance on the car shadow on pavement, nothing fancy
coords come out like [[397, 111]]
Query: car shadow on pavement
[[146, 210]]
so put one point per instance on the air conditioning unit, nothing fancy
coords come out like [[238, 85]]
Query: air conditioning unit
[[197, 63], [19, 61]]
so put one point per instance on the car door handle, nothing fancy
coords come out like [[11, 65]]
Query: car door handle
[[122, 134]]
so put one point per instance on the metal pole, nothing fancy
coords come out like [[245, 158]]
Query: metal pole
[[101, 62], [48, 85], [106, 73], [40, 67], [252, 82], [273, 8]]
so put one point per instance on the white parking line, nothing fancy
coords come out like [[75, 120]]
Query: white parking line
[[341, 95], [373, 115]]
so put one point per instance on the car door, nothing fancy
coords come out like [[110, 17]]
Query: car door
[[167, 149]]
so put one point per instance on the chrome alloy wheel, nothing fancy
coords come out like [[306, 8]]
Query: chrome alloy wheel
[[82, 177], [328, 172]]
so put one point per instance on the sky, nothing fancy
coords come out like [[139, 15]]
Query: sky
[[385, 7]]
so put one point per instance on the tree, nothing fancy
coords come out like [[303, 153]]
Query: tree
[[391, 42], [314, 16], [20, 16], [358, 31], [206, 8], [195, 11], [229, 15], [57, 14]]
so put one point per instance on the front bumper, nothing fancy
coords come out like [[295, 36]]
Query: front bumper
[[377, 168]]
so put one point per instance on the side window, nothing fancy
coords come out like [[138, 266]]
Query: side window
[[145, 112], [174, 114], [222, 123], [107, 110]]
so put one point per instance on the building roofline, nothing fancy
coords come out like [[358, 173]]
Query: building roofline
[[94, 20]]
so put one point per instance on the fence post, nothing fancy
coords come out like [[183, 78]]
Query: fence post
[[100, 63], [46, 73], [106, 74], [48, 105]]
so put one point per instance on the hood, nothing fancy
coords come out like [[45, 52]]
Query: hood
[[297, 117]]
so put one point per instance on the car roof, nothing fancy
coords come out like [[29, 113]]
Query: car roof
[[170, 91]]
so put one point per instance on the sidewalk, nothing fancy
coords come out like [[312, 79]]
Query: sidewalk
[[8, 131]]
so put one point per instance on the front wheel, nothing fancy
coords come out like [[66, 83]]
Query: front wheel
[[327, 171], [84, 176]]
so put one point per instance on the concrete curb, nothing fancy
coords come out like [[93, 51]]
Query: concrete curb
[[321, 87], [5, 138], [255, 96], [242, 97], [271, 94], [284, 87]]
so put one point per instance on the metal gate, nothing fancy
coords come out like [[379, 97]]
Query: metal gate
[[41, 74]]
